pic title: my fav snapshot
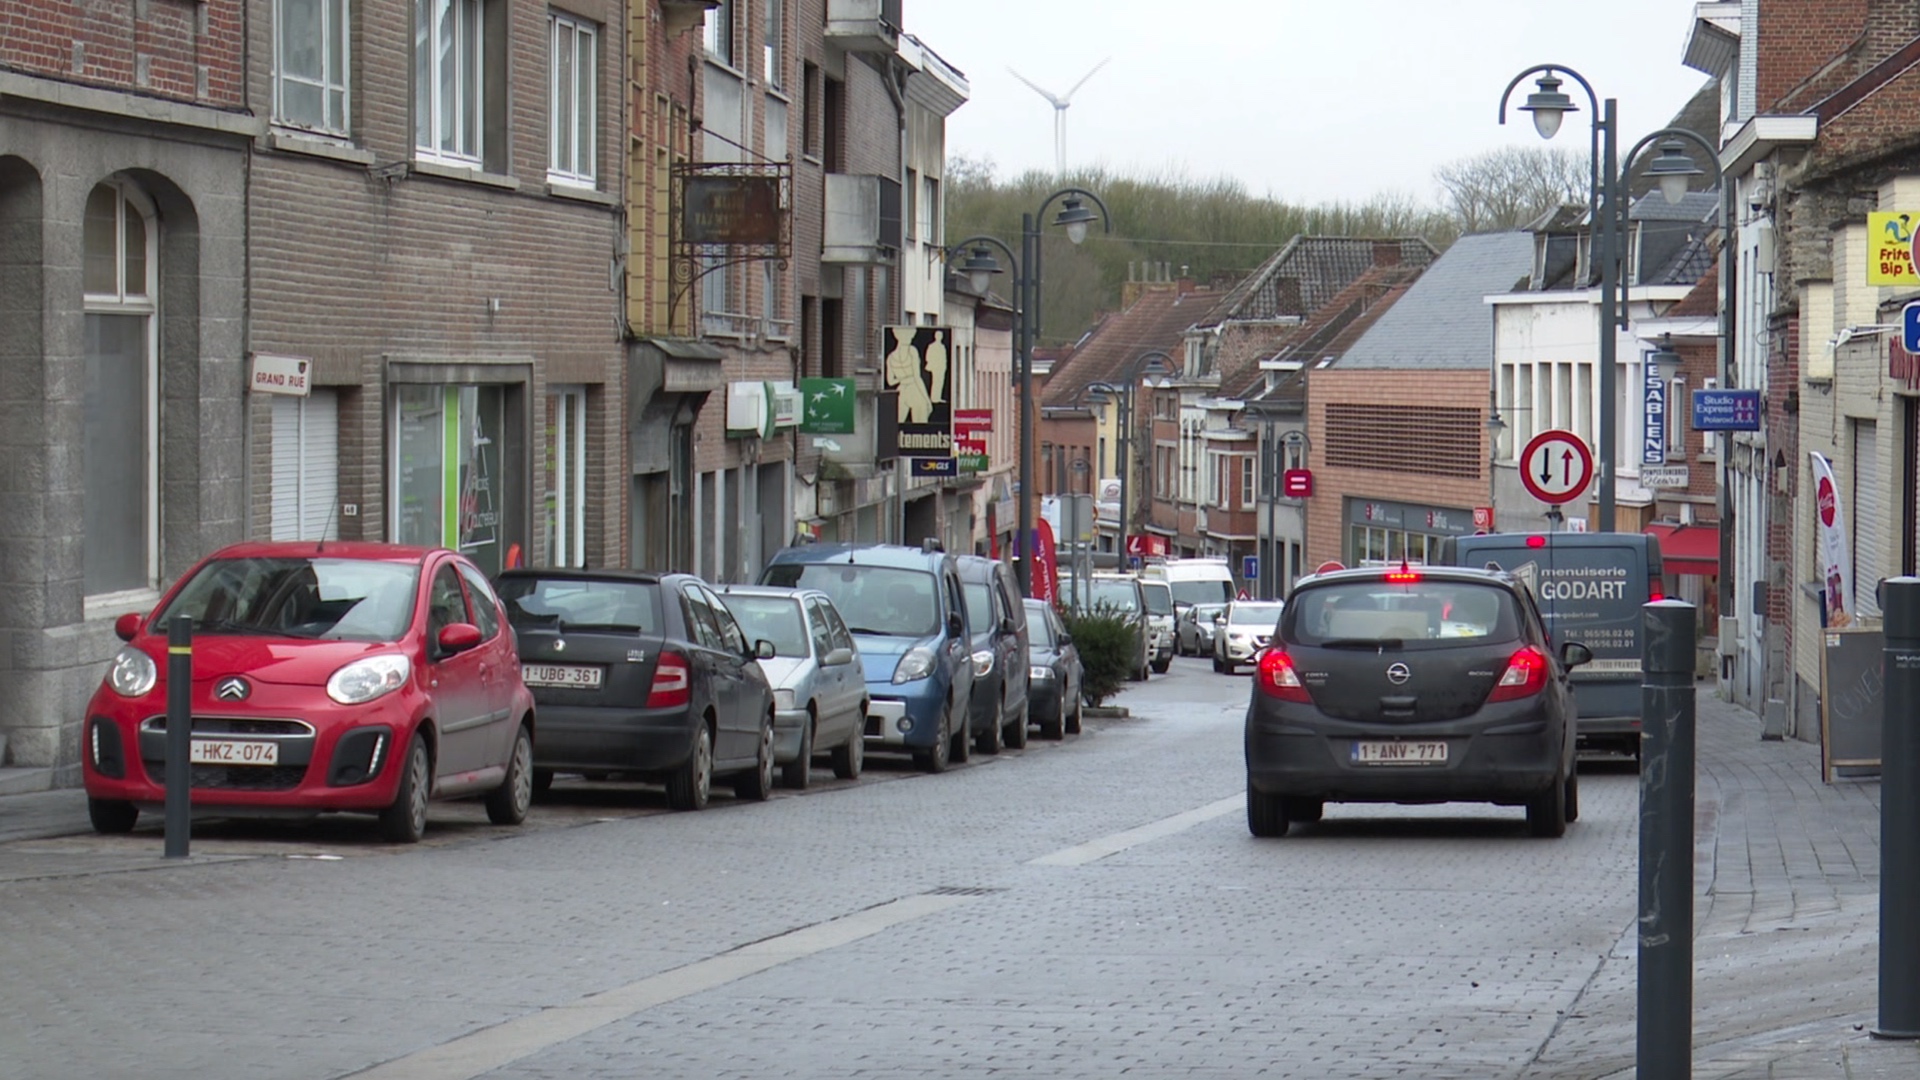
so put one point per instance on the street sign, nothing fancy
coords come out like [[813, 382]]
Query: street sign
[[1726, 410], [1250, 567], [1663, 476], [1329, 567], [1483, 518], [1297, 483], [1556, 467], [1910, 327]]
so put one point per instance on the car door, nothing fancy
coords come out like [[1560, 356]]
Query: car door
[[957, 649], [747, 685], [500, 677], [827, 683], [853, 681], [716, 670], [1010, 638], [457, 681]]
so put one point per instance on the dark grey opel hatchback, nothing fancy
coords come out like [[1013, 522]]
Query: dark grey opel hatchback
[[1411, 685]]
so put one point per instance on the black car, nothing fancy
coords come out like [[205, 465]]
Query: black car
[[645, 675], [1056, 679], [997, 621], [1415, 685]]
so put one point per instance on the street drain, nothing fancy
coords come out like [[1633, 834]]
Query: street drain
[[962, 890]]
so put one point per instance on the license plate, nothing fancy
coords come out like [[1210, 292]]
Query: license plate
[[570, 675], [233, 752], [1400, 753]]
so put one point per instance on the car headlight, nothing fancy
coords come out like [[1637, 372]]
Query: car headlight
[[983, 663], [917, 664], [783, 700], [369, 678], [1040, 673], [133, 672]]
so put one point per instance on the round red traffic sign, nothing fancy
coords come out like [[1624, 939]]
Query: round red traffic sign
[[1329, 567], [1556, 467]]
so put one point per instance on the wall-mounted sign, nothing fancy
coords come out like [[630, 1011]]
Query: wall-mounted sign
[[916, 360], [1726, 410], [733, 210], [1890, 236], [281, 375], [1653, 437], [1663, 476], [826, 406]]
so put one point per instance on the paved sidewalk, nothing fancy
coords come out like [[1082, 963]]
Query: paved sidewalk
[[1786, 960]]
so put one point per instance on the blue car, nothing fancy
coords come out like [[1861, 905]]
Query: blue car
[[906, 608]]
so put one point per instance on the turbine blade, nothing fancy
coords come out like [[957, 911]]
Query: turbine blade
[[1036, 88], [1068, 96]]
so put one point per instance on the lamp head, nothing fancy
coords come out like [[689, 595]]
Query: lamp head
[[1548, 105], [1663, 358], [980, 266], [1076, 217], [1673, 168]]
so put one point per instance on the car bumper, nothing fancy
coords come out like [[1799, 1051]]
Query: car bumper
[[1504, 753], [907, 721], [789, 728], [615, 740], [1043, 699], [1241, 651]]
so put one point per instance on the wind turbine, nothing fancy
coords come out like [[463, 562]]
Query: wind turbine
[[1060, 103]]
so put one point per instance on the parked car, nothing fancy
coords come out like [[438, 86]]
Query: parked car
[[819, 688], [644, 675], [998, 622], [1121, 594], [1056, 676], [1412, 685], [1193, 628], [1159, 597], [905, 607], [1242, 630], [327, 677]]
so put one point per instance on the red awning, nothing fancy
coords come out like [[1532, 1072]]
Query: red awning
[[1688, 549]]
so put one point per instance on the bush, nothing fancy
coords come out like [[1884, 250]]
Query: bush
[[1109, 644]]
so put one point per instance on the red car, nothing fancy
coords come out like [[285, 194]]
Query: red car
[[326, 677]]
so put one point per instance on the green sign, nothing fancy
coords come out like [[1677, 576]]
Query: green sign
[[974, 463], [826, 406]]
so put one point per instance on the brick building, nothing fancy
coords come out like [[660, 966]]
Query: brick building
[[124, 135]]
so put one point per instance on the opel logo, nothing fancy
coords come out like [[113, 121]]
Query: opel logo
[[1398, 673], [232, 688]]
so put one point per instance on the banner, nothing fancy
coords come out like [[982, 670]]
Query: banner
[[826, 406], [1836, 557], [1890, 236], [916, 362], [1046, 570]]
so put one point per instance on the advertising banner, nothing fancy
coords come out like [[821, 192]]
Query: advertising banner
[[1046, 570], [1890, 247], [916, 360], [1836, 556]]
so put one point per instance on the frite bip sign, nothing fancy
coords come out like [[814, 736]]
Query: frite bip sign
[[1890, 258]]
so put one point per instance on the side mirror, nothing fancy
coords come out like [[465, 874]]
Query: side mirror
[[836, 657], [763, 649], [458, 638], [127, 627], [1573, 654], [1008, 626], [1220, 619], [956, 626], [1066, 639]]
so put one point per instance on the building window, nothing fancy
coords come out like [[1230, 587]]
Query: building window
[[449, 78], [1248, 492], [911, 189], [719, 32], [121, 412], [774, 53], [776, 129], [310, 65], [566, 479], [809, 110], [930, 210], [573, 114]]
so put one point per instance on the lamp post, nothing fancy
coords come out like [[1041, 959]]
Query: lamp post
[[1153, 360], [1608, 206]]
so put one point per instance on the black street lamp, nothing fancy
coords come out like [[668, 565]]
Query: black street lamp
[[1608, 207], [980, 266], [1153, 361]]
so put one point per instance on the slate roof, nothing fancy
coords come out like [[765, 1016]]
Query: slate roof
[[1443, 321], [1304, 275], [1157, 320], [1330, 332]]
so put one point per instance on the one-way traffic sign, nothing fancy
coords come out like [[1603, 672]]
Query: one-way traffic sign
[[1556, 467]]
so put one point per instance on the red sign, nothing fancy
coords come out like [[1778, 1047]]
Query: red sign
[[972, 420], [1329, 567], [1297, 483], [1556, 467], [966, 444], [1483, 517], [1828, 503], [1146, 544]]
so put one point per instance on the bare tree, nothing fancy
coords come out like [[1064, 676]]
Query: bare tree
[[1507, 187]]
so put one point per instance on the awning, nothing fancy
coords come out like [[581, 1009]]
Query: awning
[[1688, 549]]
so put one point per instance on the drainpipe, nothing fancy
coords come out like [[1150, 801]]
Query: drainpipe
[[894, 75]]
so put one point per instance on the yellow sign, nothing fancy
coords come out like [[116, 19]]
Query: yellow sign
[[1890, 247]]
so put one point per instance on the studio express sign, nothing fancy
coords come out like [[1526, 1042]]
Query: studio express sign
[[917, 359]]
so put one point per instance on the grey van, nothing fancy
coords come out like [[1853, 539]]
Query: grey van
[[1590, 587]]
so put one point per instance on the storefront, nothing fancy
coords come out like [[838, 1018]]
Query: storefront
[[1379, 531], [459, 470]]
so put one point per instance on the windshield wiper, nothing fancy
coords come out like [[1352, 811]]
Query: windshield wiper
[[1364, 643], [868, 630], [231, 626]]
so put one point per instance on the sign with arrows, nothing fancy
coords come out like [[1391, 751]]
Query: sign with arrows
[[1556, 467]]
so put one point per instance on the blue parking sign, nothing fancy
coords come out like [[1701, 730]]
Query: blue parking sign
[[1250, 567], [1910, 327]]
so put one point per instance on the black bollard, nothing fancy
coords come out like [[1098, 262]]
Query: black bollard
[[1900, 812], [1665, 1031], [179, 736]]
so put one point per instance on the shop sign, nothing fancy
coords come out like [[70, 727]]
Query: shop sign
[[1726, 410], [916, 360], [1653, 440], [281, 375], [826, 406], [1663, 476], [734, 210], [1890, 236], [786, 404]]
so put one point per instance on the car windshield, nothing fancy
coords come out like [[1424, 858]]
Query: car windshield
[[1205, 612], [776, 618], [1159, 599], [1039, 630], [979, 606], [1202, 592], [570, 603], [872, 599], [1118, 595], [1254, 614], [1366, 613], [317, 597]]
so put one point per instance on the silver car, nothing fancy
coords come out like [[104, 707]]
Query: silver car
[[1194, 633], [819, 684], [1243, 630]]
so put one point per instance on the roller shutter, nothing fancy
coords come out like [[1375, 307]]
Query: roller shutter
[[306, 466], [1870, 491]]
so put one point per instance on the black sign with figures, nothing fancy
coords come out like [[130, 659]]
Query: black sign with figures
[[917, 364]]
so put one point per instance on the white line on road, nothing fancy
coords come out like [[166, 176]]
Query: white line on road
[[490, 1048], [1092, 850]]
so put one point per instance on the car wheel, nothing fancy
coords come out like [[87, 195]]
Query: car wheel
[[798, 773], [507, 804], [849, 757], [1302, 809], [990, 741], [960, 741], [1266, 814], [1217, 668], [688, 788], [1573, 796], [405, 822], [1547, 811], [1056, 727], [935, 758], [758, 784], [1160, 666], [542, 782], [112, 815]]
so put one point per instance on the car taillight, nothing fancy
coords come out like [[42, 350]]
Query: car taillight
[[672, 679], [1277, 677], [1526, 675], [1655, 590]]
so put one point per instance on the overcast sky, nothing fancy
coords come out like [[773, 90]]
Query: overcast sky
[[1304, 100]]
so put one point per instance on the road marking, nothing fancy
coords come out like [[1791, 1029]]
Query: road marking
[[488, 1049], [1092, 850]]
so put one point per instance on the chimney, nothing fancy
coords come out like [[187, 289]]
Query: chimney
[[1386, 253]]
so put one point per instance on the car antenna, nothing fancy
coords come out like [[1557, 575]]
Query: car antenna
[[320, 546]]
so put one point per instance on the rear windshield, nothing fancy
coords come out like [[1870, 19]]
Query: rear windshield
[[1202, 592], [1039, 630], [1366, 613], [775, 618], [872, 599], [318, 597], [1117, 595], [1159, 599], [579, 604], [1255, 614]]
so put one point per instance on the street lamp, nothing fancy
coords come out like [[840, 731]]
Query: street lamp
[[1153, 361], [1608, 210]]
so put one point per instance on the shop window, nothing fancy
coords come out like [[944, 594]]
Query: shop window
[[120, 412], [454, 482]]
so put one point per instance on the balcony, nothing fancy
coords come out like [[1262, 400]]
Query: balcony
[[862, 219], [864, 26]]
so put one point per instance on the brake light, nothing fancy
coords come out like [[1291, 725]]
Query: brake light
[[1655, 590], [1403, 577], [1278, 679], [672, 679], [1526, 675], [1536, 541]]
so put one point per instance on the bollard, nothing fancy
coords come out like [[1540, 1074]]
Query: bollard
[[1665, 1027], [179, 735], [1899, 808]]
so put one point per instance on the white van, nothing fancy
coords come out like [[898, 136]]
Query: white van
[[1201, 579]]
